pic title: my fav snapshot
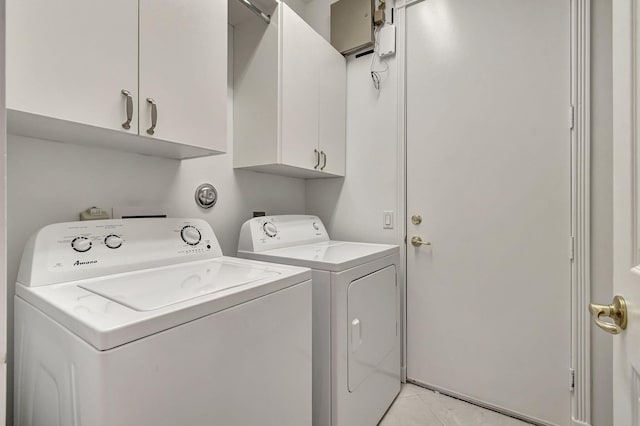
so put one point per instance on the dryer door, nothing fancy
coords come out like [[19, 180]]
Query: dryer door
[[372, 320]]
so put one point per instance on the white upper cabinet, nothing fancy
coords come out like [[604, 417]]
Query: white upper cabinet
[[183, 54], [289, 66], [81, 72], [299, 91], [332, 110], [71, 59]]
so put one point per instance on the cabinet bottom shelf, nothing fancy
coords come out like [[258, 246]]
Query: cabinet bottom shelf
[[290, 171], [37, 126]]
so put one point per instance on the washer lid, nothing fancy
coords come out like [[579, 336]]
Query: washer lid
[[332, 256], [111, 311], [156, 289]]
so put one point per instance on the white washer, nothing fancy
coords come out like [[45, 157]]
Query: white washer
[[356, 341], [145, 322]]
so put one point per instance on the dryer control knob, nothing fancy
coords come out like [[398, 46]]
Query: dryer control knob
[[190, 235], [270, 229], [113, 241], [316, 226], [81, 244]]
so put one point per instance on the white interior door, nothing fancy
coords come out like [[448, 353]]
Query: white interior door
[[488, 171], [626, 347]]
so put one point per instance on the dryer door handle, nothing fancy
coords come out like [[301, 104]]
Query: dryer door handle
[[356, 334]]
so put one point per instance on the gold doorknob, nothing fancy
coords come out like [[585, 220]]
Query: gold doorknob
[[617, 311], [417, 242]]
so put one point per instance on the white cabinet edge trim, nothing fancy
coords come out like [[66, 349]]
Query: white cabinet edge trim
[[53, 129], [581, 209]]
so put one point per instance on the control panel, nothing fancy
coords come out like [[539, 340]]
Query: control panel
[[78, 250], [271, 232]]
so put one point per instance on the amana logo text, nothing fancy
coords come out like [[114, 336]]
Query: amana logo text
[[88, 262]]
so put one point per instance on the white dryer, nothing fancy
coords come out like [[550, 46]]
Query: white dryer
[[356, 336], [145, 322]]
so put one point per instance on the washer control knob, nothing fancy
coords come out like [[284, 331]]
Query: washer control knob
[[316, 226], [113, 241], [270, 229], [191, 235], [81, 244]]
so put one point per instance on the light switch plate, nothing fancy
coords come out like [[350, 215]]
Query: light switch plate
[[387, 220]]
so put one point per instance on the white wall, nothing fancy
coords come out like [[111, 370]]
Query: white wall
[[352, 207], [51, 182], [298, 6], [601, 206], [317, 13]]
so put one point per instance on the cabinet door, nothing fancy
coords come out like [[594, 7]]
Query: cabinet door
[[299, 91], [70, 59], [183, 69], [332, 109]]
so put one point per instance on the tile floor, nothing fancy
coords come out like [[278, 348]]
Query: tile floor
[[416, 406]]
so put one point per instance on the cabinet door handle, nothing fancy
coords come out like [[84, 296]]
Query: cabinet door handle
[[324, 160], [317, 159], [127, 124], [154, 116]]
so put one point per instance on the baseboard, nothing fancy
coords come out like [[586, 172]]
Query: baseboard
[[482, 404]]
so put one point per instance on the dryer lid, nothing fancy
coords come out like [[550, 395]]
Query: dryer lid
[[334, 256]]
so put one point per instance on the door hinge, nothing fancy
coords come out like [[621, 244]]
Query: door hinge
[[572, 247], [572, 116], [396, 328], [572, 378]]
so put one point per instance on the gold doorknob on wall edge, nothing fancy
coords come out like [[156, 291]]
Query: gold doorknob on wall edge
[[617, 311], [417, 241]]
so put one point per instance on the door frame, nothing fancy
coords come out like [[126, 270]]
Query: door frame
[[578, 242], [3, 222]]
